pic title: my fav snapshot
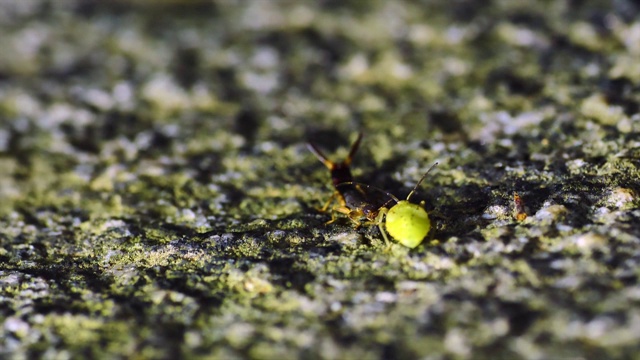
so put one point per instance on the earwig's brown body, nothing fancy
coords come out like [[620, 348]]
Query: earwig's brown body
[[353, 200]]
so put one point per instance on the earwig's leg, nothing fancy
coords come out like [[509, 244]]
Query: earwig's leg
[[353, 215], [326, 205], [333, 218]]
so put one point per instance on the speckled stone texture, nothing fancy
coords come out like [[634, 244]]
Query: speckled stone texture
[[157, 199]]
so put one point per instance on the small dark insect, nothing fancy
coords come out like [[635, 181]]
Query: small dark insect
[[518, 208], [406, 222]]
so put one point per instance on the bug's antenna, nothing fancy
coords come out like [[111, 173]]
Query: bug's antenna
[[420, 181]]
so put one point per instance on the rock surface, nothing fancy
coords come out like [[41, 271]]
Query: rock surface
[[157, 199]]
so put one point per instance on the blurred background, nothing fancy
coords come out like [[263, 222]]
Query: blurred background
[[157, 198]]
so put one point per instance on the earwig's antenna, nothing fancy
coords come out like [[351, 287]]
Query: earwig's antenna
[[420, 181], [371, 187]]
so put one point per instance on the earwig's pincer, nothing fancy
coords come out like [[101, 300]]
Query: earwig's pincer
[[340, 172]]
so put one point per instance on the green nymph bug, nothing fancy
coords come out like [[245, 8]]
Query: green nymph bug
[[406, 222]]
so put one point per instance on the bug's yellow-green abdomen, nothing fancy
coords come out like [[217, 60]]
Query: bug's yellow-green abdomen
[[408, 223]]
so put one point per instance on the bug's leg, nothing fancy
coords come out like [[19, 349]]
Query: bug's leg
[[379, 221], [436, 213]]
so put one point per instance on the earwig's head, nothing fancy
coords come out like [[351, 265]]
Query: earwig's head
[[370, 212]]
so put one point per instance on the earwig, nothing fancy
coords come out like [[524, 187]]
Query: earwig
[[353, 200], [406, 222]]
